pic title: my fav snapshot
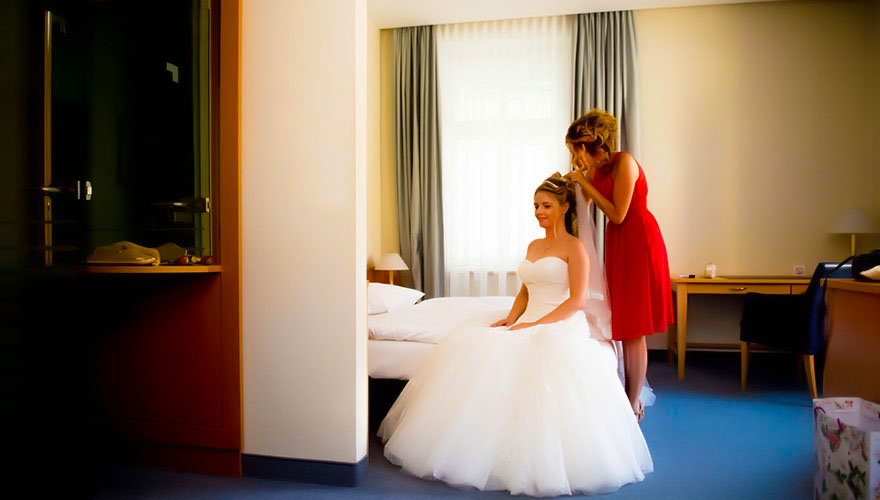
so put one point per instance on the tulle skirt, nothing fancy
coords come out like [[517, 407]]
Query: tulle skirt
[[538, 411]]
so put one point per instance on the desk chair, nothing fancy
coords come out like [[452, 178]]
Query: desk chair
[[794, 323]]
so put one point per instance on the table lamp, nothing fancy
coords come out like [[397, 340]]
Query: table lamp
[[853, 222], [391, 262]]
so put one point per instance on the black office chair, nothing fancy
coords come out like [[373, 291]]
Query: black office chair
[[793, 323]]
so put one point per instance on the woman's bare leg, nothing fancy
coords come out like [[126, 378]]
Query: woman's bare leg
[[635, 366]]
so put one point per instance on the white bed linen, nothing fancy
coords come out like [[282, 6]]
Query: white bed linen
[[395, 358], [430, 320]]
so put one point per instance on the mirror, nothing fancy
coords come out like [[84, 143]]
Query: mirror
[[129, 125]]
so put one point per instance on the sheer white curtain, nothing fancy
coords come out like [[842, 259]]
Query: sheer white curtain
[[505, 105]]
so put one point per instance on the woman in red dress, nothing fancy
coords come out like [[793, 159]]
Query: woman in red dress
[[636, 266]]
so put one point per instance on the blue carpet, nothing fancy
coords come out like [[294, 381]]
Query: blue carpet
[[708, 441]]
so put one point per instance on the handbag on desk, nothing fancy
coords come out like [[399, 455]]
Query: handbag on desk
[[862, 264]]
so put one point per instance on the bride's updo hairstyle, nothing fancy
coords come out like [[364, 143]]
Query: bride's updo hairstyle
[[563, 192], [596, 130]]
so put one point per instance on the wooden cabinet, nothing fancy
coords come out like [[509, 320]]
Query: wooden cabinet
[[852, 359], [101, 361], [166, 369], [166, 341]]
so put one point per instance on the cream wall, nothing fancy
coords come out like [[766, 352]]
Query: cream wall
[[382, 195], [755, 131], [390, 241], [374, 171], [304, 154], [755, 138], [875, 84]]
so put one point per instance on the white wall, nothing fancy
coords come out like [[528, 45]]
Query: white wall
[[303, 228], [399, 13]]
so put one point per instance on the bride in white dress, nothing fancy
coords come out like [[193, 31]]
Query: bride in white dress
[[531, 404]]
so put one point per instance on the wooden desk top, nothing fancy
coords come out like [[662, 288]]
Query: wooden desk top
[[855, 286], [749, 280]]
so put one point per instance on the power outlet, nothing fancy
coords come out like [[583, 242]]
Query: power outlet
[[800, 270]]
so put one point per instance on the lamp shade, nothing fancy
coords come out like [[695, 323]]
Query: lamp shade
[[391, 262], [855, 221]]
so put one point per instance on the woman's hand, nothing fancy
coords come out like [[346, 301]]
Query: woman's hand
[[581, 176], [502, 322], [521, 326]]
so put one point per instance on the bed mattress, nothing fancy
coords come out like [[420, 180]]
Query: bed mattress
[[395, 359]]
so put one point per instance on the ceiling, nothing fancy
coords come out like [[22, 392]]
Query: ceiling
[[398, 13]]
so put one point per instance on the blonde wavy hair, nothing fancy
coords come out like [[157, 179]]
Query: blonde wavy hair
[[563, 191], [596, 130]]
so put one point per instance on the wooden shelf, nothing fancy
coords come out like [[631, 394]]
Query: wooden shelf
[[194, 269]]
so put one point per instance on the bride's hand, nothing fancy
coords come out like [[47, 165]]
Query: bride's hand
[[502, 322], [521, 326]]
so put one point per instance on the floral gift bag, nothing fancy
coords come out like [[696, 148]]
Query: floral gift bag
[[846, 441]]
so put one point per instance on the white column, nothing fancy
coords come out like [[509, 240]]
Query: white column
[[303, 234]]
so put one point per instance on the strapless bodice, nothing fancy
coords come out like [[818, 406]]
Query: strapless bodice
[[547, 282]]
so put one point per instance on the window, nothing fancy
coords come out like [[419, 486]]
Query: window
[[505, 105]]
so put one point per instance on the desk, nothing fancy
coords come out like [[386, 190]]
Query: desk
[[733, 285], [852, 359]]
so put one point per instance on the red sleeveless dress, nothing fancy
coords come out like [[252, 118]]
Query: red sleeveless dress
[[636, 265]]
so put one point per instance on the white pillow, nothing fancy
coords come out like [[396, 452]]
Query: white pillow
[[393, 297], [374, 305]]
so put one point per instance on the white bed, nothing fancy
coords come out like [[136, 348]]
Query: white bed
[[400, 339], [395, 359]]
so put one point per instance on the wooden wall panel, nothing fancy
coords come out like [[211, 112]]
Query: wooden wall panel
[[230, 216], [159, 357]]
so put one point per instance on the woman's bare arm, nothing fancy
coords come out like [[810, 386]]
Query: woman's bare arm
[[625, 176], [519, 307], [519, 304]]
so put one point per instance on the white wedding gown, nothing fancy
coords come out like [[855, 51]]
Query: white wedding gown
[[538, 411]]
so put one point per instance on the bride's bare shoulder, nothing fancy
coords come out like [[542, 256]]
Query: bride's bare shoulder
[[570, 239], [575, 245], [532, 244]]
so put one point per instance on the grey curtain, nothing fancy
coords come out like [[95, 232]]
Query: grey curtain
[[606, 76], [417, 157]]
